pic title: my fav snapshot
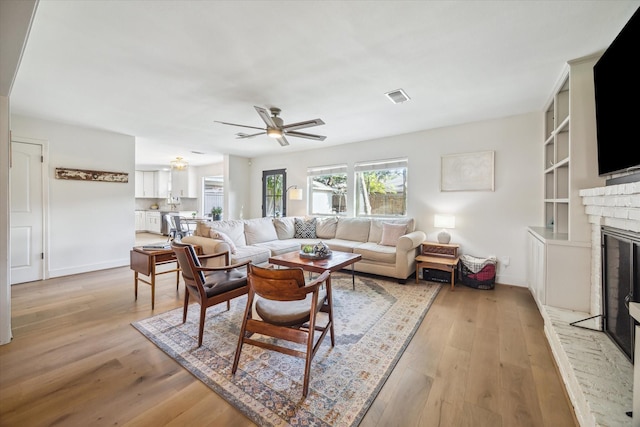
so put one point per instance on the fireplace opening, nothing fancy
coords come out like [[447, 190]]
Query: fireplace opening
[[620, 285]]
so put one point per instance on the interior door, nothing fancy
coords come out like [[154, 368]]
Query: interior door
[[27, 215]]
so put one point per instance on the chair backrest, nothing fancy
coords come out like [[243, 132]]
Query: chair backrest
[[282, 284], [181, 223], [170, 224], [188, 261]]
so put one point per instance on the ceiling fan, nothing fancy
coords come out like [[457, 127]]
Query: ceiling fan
[[276, 127]]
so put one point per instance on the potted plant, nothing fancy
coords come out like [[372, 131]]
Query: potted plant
[[216, 213]]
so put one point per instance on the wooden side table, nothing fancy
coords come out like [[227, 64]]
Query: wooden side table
[[438, 256], [144, 261]]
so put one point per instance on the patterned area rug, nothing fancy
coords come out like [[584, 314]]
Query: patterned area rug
[[373, 326]]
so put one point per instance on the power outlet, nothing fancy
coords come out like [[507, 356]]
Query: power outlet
[[505, 260]]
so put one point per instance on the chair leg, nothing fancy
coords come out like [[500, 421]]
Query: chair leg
[[243, 329], [186, 304], [309, 356], [203, 313]]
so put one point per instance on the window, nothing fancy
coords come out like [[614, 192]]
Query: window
[[213, 194], [381, 188], [273, 184], [328, 190]]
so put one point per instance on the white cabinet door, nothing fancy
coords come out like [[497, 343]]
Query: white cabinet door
[[153, 222], [149, 184], [183, 183], [536, 268], [139, 177], [162, 184], [140, 221]]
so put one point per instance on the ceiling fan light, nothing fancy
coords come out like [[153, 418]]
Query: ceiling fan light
[[274, 133]]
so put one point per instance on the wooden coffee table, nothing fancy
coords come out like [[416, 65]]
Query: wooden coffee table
[[337, 261]]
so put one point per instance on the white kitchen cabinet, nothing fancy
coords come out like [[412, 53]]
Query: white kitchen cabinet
[[153, 222], [183, 183], [152, 184], [146, 184], [162, 184], [141, 221]]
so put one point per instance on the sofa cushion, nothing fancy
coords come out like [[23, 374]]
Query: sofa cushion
[[259, 230], [375, 232], [202, 229], [277, 247], [326, 227], [356, 229], [256, 254], [391, 233], [305, 228], [285, 227], [232, 228], [222, 236], [341, 245], [378, 253]]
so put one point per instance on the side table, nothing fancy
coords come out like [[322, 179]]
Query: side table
[[438, 256], [144, 261]]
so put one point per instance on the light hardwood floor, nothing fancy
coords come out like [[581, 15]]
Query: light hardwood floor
[[479, 358]]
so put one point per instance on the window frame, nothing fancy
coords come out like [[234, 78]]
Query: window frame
[[380, 165], [313, 172]]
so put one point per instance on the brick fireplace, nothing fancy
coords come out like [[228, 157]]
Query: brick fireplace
[[597, 374]]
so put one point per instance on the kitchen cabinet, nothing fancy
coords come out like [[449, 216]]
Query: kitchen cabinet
[[162, 184], [145, 184], [153, 222], [183, 183], [141, 221], [152, 184]]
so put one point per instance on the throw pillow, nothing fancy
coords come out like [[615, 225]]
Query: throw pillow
[[391, 233], [221, 236], [305, 229]]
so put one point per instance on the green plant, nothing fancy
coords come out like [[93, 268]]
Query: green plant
[[216, 211]]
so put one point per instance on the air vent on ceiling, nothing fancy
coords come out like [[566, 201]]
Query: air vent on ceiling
[[197, 152], [397, 96]]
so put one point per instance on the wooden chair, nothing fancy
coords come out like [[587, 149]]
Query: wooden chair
[[208, 285], [288, 310]]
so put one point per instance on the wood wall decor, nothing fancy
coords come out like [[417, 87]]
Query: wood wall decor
[[89, 175]]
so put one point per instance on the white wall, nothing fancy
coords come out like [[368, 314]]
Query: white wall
[[91, 224], [238, 182], [487, 223]]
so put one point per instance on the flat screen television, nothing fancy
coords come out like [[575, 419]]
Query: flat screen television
[[617, 96]]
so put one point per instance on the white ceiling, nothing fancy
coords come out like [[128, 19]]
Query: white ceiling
[[163, 71]]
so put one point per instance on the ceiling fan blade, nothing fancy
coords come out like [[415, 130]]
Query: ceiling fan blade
[[305, 135], [283, 141], [242, 126], [242, 135], [302, 125], [264, 115]]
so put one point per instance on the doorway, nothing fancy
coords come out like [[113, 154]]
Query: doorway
[[273, 184]]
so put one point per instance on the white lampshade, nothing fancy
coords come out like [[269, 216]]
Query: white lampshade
[[444, 222], [295, 194]]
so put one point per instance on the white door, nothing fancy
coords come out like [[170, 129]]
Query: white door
[[26, 212]]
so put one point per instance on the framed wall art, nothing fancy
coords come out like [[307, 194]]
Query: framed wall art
[[467, 171]]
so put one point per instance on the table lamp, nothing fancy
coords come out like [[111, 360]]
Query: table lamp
[[444, 222]]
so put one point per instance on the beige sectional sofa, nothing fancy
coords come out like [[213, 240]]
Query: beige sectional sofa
[[388, 246]]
